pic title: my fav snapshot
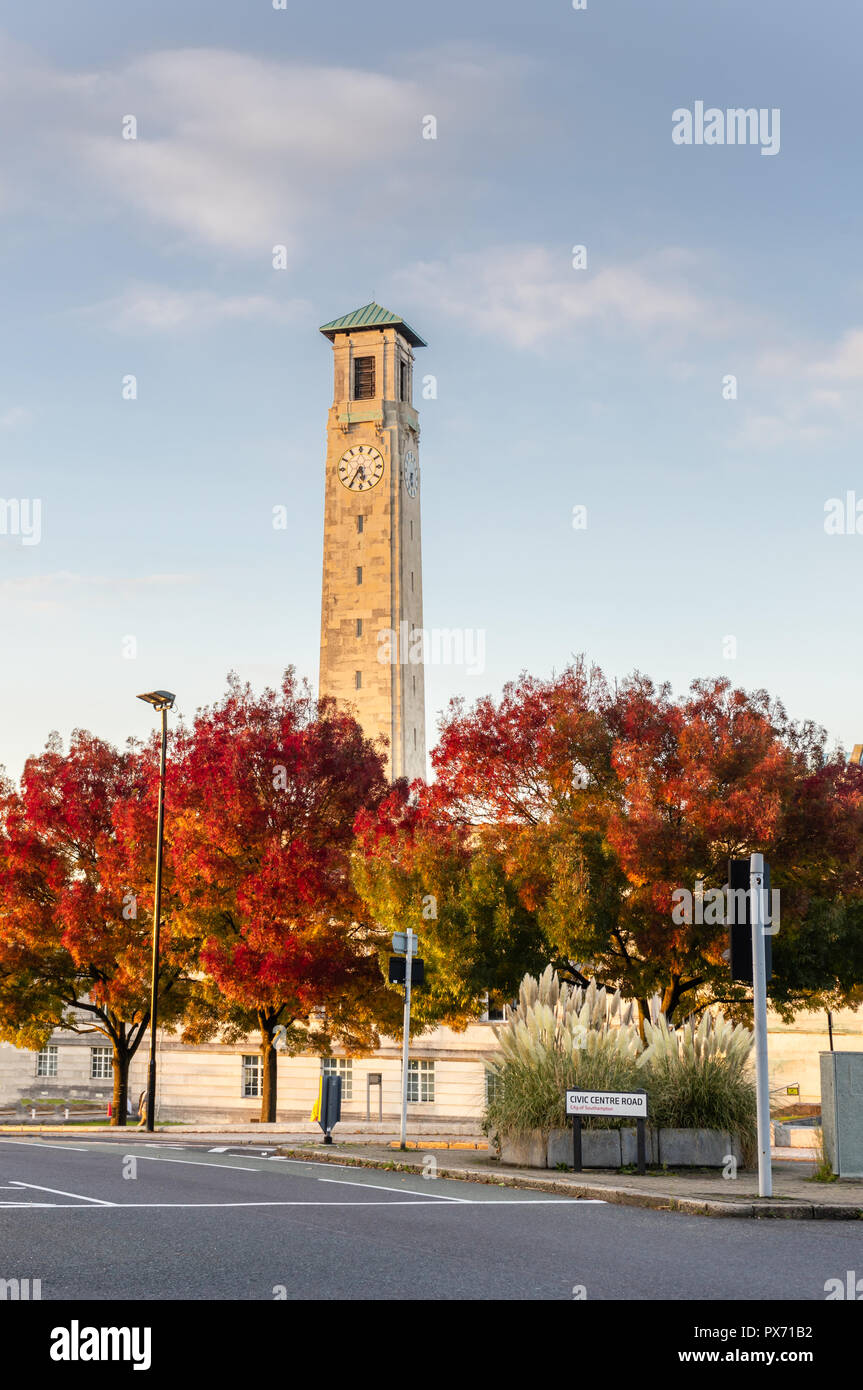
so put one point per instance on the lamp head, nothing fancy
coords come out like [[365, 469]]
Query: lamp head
[[159, 699]]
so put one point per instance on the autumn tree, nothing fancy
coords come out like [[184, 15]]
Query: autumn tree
[[415, 867], [600, 803], [267, 791], [76, 897]]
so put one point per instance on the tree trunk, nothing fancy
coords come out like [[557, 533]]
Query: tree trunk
[[121, 1086], [270, 1058]]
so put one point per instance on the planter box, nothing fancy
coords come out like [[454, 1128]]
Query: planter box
[[528, 1151], [613, 1148], [600, 1148], [629, 1146], [697, 1148]]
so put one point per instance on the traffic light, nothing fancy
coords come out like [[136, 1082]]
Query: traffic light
[[397, 971], [738, 918]]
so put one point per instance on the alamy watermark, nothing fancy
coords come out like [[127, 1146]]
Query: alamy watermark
[[843, 516], [21, 516], [734, 126], [20, 1290], [719, 907], [436, 646]]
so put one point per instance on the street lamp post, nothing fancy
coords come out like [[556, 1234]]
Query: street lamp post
[[162, 701]]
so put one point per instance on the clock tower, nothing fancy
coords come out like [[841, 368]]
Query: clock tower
[[372, 608]]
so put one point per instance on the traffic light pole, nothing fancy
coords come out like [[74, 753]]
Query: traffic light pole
[[406, 1037], [759, 1008]]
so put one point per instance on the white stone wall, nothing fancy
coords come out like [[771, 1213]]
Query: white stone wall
[[206, 1082]]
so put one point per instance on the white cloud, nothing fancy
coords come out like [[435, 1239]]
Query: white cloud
[[775, 431], [529, 295], [811, 390], [240, 153], [158, 308], [845, 361], [15, 416]]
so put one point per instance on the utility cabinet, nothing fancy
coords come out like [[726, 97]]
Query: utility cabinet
[[842, 1111]]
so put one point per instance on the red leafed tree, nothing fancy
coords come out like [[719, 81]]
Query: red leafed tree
[[268, 787], [604, 802], [76, 902]]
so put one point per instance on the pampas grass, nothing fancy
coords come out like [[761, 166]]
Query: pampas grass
[[561, 1037]]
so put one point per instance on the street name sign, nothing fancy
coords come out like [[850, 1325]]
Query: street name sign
[[632, 1103]]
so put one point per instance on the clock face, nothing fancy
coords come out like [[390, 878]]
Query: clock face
[[411, 473], [361, 468]]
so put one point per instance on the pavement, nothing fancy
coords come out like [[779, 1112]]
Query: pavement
[[147, 1217], [696, 1192]]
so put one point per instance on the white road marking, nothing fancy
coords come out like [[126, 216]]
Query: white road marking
[[418, 1202], [217, 1151], [31, 1205], [379, 1186], [58, 1192], [195, 1163], [39, 1144]]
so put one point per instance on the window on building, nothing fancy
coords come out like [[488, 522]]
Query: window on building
[[412, 530], [364, 378], [492, 1086], [101, 1063], [340, 1066], [359, 627], [420, 1081], [359, 680], [46, 1062], [360, 523], [412, 581], [404, 381], [359, 574], [414, 679], [253, 1075]]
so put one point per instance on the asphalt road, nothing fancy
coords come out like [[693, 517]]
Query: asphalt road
[[127, 1219]]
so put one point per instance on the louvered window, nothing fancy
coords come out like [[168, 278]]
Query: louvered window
[[364, 378]]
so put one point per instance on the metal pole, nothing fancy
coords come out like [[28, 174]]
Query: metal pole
[[641, 1146], [576, 1144], [157, 915], [406, 1038], [759, 1008], [830, 1028]]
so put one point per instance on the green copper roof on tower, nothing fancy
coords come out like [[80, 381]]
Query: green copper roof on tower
[[372, 316]]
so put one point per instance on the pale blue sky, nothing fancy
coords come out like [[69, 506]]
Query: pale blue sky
[[557, 387]]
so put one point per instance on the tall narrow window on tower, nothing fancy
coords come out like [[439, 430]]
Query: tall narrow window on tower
[[364, 378], [404, 381]]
